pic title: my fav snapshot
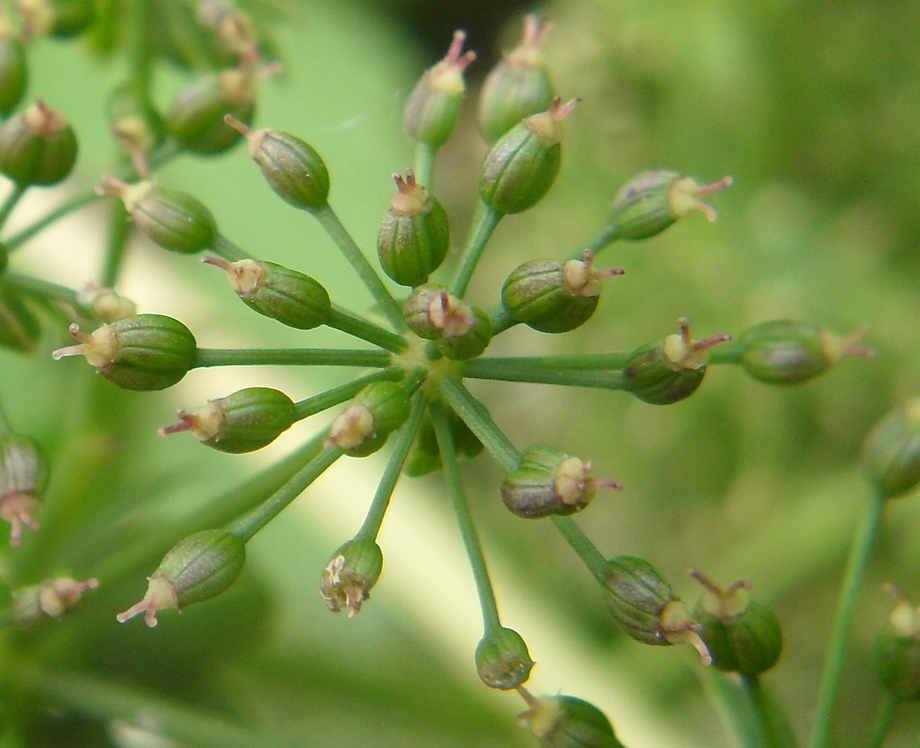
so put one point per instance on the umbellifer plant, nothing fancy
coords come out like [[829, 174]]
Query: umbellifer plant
[[417, 351]]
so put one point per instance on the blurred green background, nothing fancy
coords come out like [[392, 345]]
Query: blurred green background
[[811, 107]]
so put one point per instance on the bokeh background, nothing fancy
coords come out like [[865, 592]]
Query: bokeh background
[[812, 107]]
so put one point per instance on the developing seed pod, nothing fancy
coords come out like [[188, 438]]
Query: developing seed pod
[[470, 343], [892, 451], [434, 104], [294, 299], [645, 607], [784, 352], [106, 302], [652, 201], [897, 649], [741, 634], [350, 574], [23, 474], [292, 168], [415, 235], [174, 220], [50, 599], [20, 329], [141, 352], [37, 147], [365, 424], [667, 372], [552, 296], [196, 118], [550, 482], [567, 722], [430, 306], [197, 568], [502, 659], [134, 123], [60, 18], [13, 68], [519, 85], [522, 165], [244, 421]]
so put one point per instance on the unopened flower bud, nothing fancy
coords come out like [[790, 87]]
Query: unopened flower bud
[[518, 85], [522, 165], [784, 352], [37, 147], [892, 450], [60, 18], [13, 69], [23, 473], [365, 423], [552, 296], [142, 352], [434, 104], [172, 219], [106, 302], [667, 372], [20, 329], [502, 659], [415, 235], [567, 722], [197, 568], [550, 482], [292, 168], [653, 200], [244, 421], [50, 599], [350, 574], [471, 342], [645, 607], [741, 634], [897, 649], [293, 298]]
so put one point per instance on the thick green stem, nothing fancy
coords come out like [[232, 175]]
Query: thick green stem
[[729, 352], [766, 714], [884, 719], [402, 444], [501, 320], [833, 665], [50, 292], [510, 371], [248, 525], [319, 403], [582, 545], [63, 210], [490, 617], [474, 415], [424, 164], [109, 703], [291, 357], [605, 237], [223, 247], [361, 265], [11, 200], [353, 324], [582, 362], [119, 231], [484, 223]]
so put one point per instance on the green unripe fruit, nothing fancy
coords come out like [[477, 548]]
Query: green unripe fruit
[[568, 722], [502, 659], [549, 482], [667, 372], [434, 104], [294, 299], [892, 451], [518, 86], [551, 296], [196, 118], [13, 71], [415, 234], [140, 352], [60, 18], [470, 343], [37, 147], [174, 220], [741, 634], [197, 568], [365, 424], [20, 329], [652, 201], [244, 421], [292, 168], [424, 310], [350, 574], [23, 475], [521, 167]]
